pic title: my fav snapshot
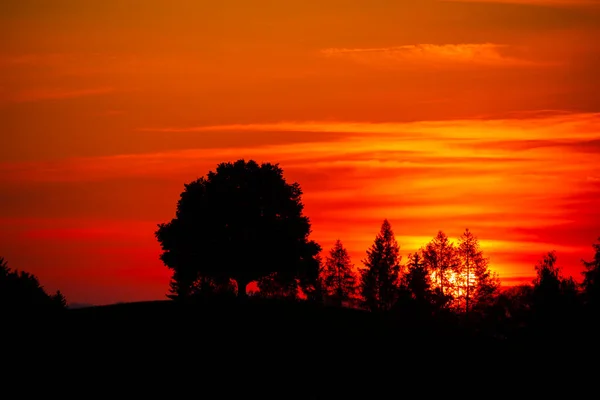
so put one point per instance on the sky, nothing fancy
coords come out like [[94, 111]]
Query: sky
[[437, 115]]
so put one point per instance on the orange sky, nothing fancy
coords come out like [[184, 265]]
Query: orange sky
[[433, 114]]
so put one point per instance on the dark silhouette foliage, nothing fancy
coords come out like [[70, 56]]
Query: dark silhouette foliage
[[554, 297], [202, 287], [416, 294], [339, 278], [21, 291], [591, 280], [59, 299], [380, 277], [441, 259], [478, 285], [242, 222]]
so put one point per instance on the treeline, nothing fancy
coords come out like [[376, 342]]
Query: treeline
[[439, 276], [244, 223], [21, 292]]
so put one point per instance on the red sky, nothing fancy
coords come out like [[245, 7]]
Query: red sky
[[433, 114]]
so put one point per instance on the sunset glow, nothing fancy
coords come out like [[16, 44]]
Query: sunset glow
[[437, 115]]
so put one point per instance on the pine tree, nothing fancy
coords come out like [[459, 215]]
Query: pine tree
[[416, 280], [379, 278], [339, 279], [59, 300]]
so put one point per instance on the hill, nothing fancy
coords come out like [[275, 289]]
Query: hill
[[309, 346]]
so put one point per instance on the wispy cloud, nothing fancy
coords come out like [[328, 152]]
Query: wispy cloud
[[489, 54], [519, 183]]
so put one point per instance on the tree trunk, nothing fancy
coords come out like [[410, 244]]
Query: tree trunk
[[468, 287], [242, 294]]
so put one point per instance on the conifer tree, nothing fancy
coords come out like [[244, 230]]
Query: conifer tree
[[339, 279], [379, 278], [416, 280], [591, 279]]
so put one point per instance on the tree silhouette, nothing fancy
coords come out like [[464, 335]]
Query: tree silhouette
[[59, 300], [282, 285], [487, 284], [477, 283], [591, 279], [441, 258], [21, 291], [469, 252], [277, 286], [310, 278], [241, 222], [417, 283], [511, 311], [379, 278], [339, 278], [554, 296]]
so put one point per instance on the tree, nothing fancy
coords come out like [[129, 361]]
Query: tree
[[241, 222], [59, 300], [379, 278], [440, 257], [21, 291], [310, 279], [591, 278], [547, 282], [478, 284], [468, 250], [278, 285], [417, 283], [417, 279], [487, 284], [553, 295], [339, 278]]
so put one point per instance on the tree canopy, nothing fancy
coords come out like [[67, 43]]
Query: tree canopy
[[21, 291], [241, 222]]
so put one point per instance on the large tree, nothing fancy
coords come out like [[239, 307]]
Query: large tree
[[339, 279], [379, 278], [241, 222]]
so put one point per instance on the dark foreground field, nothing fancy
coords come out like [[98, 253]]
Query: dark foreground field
[[282, 349]]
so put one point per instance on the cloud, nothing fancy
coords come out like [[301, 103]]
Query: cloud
[[517, 182], [487, 54]]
